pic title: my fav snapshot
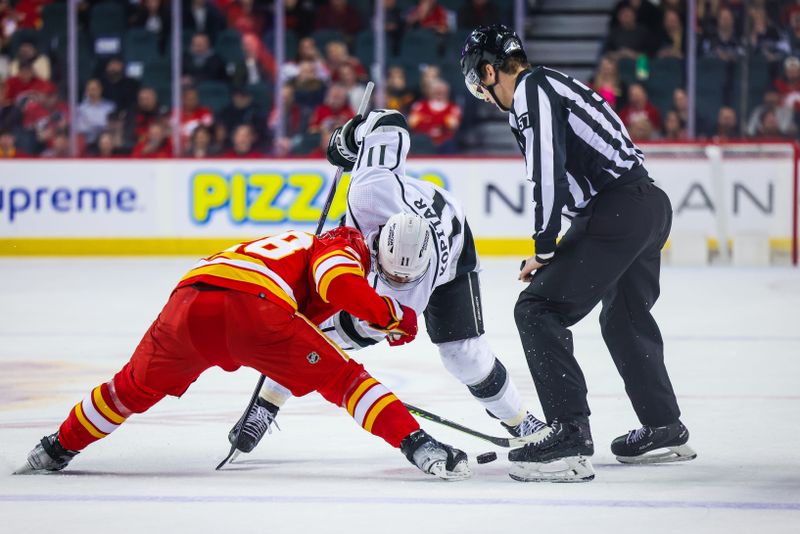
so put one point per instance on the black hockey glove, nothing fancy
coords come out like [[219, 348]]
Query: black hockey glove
[[342, 147]]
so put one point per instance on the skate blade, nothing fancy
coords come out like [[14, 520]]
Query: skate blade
[[569, 469], [27, 470], [681, 453], [461, 471]]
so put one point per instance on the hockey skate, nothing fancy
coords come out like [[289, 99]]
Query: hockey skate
[[47, 456], [654, 444], [434, 458], [257, 422], [560, 454], [530, 429]]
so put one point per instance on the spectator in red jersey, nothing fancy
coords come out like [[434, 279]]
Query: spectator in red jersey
[[788, 85], [29, 53], [146, 112], [726, 125], [8, 146], [398, 95], [639, 107], [428, 14], [93, 112], [153, 16], [476, 13], [200, 62], [154, 144], [193, 114], [334, 112], [243, 143], [258, 65], [339, 15], [202, 144], [247, 16], [437, 117], [29, 13], [336, 55], [45, 115], [608, 84], [117, 87], [26, 83]]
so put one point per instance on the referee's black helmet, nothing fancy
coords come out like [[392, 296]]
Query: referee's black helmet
[[487, 44]]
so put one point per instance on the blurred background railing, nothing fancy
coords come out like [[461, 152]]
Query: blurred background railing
[[250, 78]]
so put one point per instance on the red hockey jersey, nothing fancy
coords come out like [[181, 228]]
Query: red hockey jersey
[[301, 273]]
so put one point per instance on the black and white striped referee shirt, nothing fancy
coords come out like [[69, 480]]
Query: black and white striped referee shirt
[[574, 145]]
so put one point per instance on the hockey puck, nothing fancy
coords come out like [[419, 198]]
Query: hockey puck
[[486, 457]]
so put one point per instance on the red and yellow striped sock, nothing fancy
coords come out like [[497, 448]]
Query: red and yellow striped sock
[[93, 418]]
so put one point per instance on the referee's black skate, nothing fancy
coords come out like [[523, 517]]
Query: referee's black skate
[[47, 456], [257, 422], [654, 444], [435, 458], [560, 455]]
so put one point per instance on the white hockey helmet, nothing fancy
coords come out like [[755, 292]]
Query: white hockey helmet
[[405, 247]]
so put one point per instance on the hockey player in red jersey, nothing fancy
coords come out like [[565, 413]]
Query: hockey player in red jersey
[[257, 304]]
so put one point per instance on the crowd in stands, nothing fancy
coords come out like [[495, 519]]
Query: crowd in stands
[[229, 72], [641, 71]]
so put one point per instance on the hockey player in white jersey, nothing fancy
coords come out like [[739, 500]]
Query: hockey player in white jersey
[[424, 254]]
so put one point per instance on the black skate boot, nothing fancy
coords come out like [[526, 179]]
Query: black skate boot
[[257, 422], [434, 458], [560, 455], [641, 446], [47, 455]]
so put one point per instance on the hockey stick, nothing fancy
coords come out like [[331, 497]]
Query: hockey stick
[[500, 442], [362, 108]]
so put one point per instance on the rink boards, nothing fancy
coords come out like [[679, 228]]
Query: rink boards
[[194, 207]]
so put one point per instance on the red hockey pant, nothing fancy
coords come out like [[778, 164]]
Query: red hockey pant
[[200, 328]]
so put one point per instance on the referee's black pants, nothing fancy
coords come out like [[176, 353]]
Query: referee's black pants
[[611, 253]]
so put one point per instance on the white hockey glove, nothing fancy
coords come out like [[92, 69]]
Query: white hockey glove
[[345, 141]]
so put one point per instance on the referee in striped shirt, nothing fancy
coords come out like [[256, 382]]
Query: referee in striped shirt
[[584, 166]]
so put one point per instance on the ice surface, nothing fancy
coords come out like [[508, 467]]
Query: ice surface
[[733, 350]]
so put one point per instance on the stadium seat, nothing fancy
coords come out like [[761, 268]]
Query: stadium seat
[[107, 18], [140, 45], [420, 46], [712, 78], [289, 44], [229, 46], [365, 47], [421, 144], [666, 75], [215, 95], [627, 70], [307, 144], [323, 37], [156, 70], [54, 19], [262, 94]]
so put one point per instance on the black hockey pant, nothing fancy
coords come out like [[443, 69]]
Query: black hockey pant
[[612, 252]]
